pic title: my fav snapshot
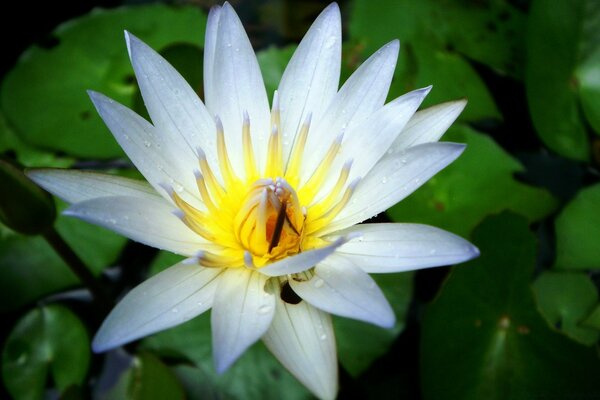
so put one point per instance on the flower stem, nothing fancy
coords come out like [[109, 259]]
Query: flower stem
[[99, 295]]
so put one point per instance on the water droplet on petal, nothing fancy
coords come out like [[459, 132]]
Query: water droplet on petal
[[323, 336], [175, 310], [265, 309], [318, 283]]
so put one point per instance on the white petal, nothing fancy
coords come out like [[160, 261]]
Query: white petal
[[210, 44], [303, 261], [301, 337], [237, 86], [369, 141], [145, 220], [363, 93], [393, 178], [175, 109], [404, 247], [241, 314], [340, 287], [428, 125], [311, 78], [74, 186], [154, 156], [170, 298]]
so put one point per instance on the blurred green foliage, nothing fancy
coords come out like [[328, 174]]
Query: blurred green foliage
[[522, 320]]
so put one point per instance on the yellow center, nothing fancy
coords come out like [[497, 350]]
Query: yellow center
[[263, 217]]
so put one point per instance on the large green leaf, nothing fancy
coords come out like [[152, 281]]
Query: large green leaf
[[478, 184], [578, 231], [489, 32], [147, 378], [565, 300], [44, 96], [30, 268], [562, 64], [483, 337], [48, 341]]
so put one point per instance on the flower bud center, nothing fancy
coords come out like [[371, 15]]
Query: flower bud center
[[270, 222]]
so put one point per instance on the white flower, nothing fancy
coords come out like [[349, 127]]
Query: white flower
[[264, 199]]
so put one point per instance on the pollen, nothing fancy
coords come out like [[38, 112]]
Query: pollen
[[260, 216]]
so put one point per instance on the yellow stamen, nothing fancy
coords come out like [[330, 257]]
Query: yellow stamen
[[249, 161], [323, 206], [226, 168], [315, 226], [310, 189], [292, 173], [213, 184]]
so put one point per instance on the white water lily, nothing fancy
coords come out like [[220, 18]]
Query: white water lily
[[264, 201]]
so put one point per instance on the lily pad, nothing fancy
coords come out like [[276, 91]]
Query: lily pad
[[483, 337], [147, 378], [44, 97], [578, 232], [563, 35], [30, 268], [488, 32], [565, 300], [481, 182], [48, 341]]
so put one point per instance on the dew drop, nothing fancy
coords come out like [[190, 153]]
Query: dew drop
[[112, 221], [323, 336], [147, 143], [432, 251], [175, 310], [384, 180], [318, 283], [265, 309]]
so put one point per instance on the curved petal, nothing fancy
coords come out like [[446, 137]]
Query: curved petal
[[363, 93], [154, 157], [301, 337], [145, 220], [302, 261], [175, 109], [339, 287], [370, 140], [312, 76], [241, 314], [428, 125], [393, 178], [210, 44], [170, 298], [404, 247], [75, 186], [237, 87]]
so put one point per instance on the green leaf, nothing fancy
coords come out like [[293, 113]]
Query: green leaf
[[24, 206], [478, 184], [272, 63], [26, 155], [578, 232], [29, 267], [256, 375], [565, 299], [148, 378], [483, 337], [439, 56], [593, 320], [44, 97], [355, 353], [489, 32], [48, 341], [563, 35]]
